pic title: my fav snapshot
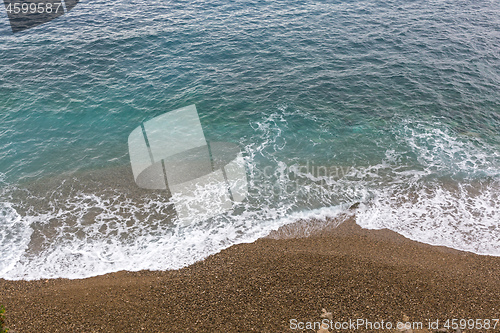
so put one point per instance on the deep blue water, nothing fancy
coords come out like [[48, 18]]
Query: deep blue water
[[401, 96]]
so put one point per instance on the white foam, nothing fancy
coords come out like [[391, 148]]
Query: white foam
[[453, 200], [457, 218], [97, 252], [14, 237], [90, 234], [441, 151]]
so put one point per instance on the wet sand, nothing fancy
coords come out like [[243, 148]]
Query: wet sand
[[263, 286]]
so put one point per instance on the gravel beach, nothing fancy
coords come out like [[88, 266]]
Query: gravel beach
[[276, 284]]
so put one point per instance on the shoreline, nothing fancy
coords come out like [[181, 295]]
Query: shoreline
[[89, 209], [261, 286]]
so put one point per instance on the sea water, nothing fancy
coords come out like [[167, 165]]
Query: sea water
[[394, 105]]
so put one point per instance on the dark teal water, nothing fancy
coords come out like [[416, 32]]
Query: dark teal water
[[401, 96]]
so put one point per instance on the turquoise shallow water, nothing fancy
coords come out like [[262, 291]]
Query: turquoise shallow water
[[400, 99]]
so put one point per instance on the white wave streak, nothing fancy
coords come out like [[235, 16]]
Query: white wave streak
[[429, 204]]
